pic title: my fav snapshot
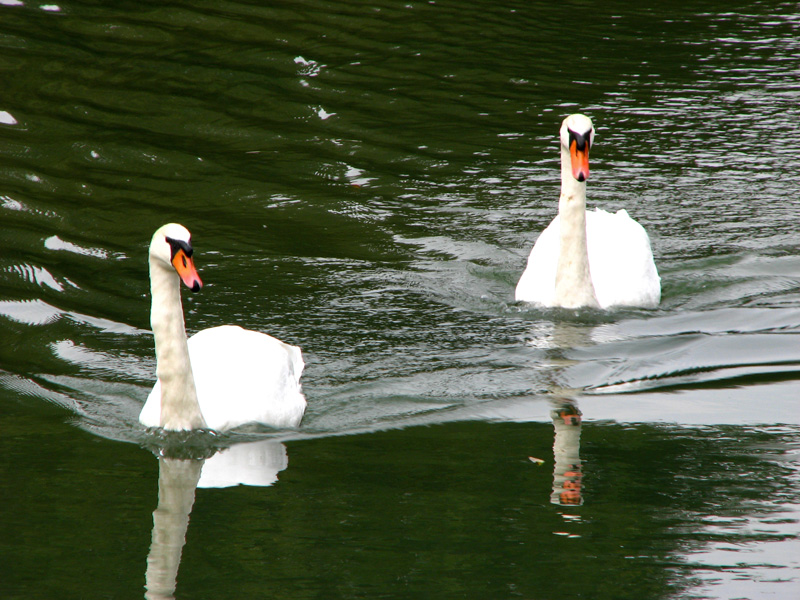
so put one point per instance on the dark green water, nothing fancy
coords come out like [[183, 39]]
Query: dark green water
[[365, 180]]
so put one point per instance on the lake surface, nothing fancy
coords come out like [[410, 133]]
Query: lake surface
[[365, 180]]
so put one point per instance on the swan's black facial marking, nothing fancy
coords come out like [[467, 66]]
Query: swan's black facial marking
[[177, 245], [582, 140], [183, 264]]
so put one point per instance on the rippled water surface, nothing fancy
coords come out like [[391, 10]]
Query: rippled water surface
[[365, 180]]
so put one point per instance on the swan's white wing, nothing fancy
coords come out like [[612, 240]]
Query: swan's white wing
[[538, 281], [245, 376], [241, 377], [151, 411], [621, 261]]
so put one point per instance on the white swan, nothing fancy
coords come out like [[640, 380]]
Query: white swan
[[588, 258], [221, 377]]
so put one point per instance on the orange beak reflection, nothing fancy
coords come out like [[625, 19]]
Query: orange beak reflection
[[185, 267], [580, 161]]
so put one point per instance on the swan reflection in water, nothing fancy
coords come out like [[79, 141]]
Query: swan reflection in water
[[567, 469], [555, 339], [254, 463]]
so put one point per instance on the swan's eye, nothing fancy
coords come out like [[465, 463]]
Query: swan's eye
[[176, 246], [581, 139]]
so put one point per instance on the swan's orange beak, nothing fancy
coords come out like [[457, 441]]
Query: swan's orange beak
[[580, 160], [185, 267]]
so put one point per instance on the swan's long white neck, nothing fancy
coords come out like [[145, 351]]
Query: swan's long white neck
[[574, 288], [179, 407]]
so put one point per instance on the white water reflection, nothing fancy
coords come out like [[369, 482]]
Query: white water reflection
[[567, 466], [6, 118], [177, 482], [725, 568], [253, 464]]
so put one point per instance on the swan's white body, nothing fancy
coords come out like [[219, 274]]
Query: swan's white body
[[588, 258], [222, 377], [620, 262], [240, 377]]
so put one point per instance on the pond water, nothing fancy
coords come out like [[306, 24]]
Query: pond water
[[365, 180]]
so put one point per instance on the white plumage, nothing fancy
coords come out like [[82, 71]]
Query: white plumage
[[241, 376], [599, 259], [620, 261], [222, 377]]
